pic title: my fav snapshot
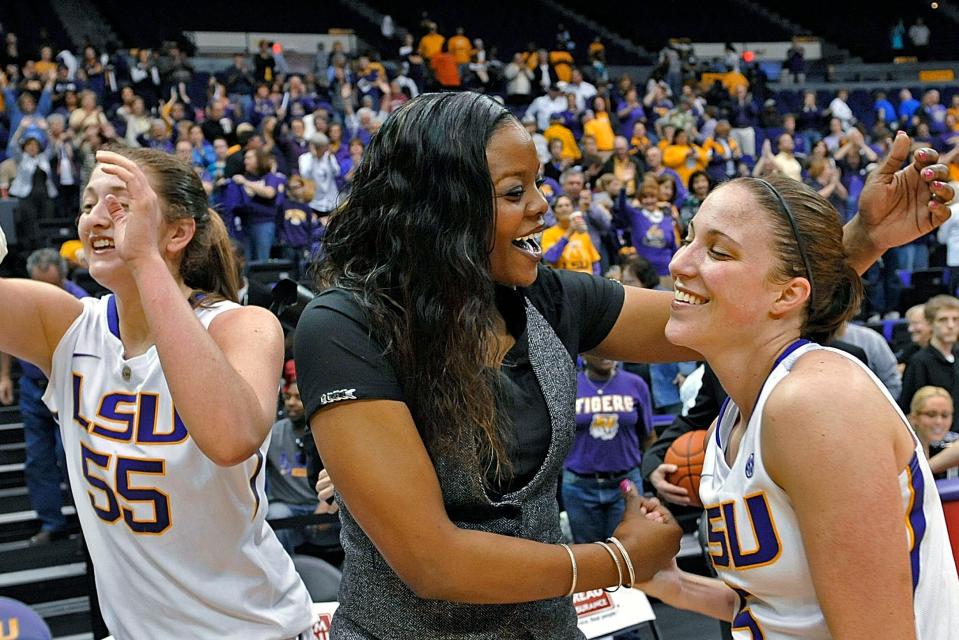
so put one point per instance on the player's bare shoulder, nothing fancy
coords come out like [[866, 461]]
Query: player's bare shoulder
[[257, 320], [825, 388], [822, 373]]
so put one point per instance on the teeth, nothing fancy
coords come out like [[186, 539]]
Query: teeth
[[688, 298], [528, 243], [102, 243]]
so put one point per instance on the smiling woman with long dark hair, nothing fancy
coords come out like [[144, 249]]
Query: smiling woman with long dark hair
[[437, 372]]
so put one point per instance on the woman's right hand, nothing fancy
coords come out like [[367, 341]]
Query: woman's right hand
[[649, 533], [577, 222], [665, 489]]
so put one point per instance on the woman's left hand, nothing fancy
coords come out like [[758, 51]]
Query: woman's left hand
[[137, 225], [898, 205]]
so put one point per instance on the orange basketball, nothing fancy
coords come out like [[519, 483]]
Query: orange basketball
[[688, 453]]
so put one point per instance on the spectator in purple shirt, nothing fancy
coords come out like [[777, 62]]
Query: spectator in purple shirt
[[253, 197], [45, 466], [613, 425], [744, 117], [339, 146], [809, 120], [630, 111], [293, 143], [652, 230]]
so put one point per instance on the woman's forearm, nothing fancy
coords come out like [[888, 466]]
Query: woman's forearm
[[553, 254], [945, 459], [218, 405], [707, 596], [484, 568]]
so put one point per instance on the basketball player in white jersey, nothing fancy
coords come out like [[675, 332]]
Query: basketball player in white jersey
[[165, 391], [824, 520]]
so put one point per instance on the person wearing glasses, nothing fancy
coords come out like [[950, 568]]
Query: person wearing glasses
[[931, 416], [810, 455]]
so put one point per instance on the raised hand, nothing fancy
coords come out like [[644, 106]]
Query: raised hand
[[898, 205], [137, 223]]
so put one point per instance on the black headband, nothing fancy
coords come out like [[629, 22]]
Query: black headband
[[799, 243]]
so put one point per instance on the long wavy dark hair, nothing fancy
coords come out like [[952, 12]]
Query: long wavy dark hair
[[412, 243]]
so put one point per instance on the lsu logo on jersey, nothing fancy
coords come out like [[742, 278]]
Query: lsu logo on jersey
[[655, 238], [604, 426], [742, 534], [115, 481], [127, 417]]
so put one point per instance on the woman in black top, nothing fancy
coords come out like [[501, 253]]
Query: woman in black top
[[437, 373]]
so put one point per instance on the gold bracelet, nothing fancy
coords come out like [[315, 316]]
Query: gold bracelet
[[629, 563], [619, 569], [572, 559]]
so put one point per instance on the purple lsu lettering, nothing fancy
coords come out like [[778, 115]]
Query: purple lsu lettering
[[725, 543], [127, 417], [613, 403], [744, 619]]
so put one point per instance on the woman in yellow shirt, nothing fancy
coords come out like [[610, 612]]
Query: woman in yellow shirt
[[600, 127], [567, 245], [684, 157]]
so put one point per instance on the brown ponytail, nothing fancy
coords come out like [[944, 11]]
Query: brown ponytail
[[209, 261], [208, 264]]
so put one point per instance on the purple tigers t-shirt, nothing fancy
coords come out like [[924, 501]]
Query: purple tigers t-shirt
[[608, 424]]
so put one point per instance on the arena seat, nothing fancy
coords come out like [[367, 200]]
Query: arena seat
[[321, 578], [924, 284], [269, 271]]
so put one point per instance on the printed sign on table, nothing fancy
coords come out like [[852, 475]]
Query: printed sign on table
[[600, 613]]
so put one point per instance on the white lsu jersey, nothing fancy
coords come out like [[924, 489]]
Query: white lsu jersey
[[756, 546], [180, 545]]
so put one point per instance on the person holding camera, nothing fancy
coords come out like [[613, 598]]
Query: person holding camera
[[568, 245]]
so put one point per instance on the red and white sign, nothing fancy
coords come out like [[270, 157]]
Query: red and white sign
[[600, 613], [322, 622]]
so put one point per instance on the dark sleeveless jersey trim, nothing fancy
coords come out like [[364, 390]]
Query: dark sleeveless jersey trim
[[113, 316]]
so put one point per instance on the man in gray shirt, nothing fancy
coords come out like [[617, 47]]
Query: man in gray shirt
[[289, 487], [882, 361]]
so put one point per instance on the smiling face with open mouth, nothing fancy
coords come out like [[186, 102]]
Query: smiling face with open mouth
[[519, 205], [96, 226], [934, 419], [722, 289]]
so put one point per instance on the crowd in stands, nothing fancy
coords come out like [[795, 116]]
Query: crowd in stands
[[626, 163]]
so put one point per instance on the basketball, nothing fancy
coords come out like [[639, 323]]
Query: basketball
[[687, 453]]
